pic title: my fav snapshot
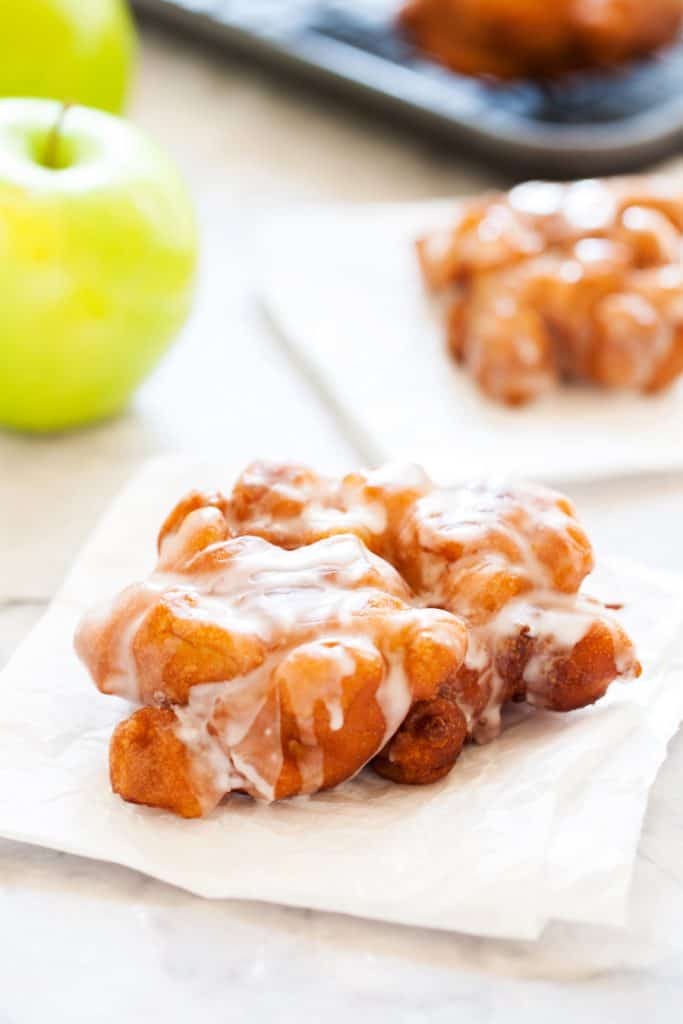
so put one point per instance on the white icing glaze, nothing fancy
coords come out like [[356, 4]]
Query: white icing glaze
[[458, 541], [300, 622], [292, 506], [296, 623], [394, 697], [534, 267], [395, 477], [537, 198]]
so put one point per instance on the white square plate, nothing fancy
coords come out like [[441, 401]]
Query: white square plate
[[343, 287]]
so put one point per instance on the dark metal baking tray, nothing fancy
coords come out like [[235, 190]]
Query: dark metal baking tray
[[588, 124]]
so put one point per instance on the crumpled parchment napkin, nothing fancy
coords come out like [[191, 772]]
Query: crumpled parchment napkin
[[543, 823]]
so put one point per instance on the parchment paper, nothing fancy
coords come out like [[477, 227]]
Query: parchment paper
[[541, 824]]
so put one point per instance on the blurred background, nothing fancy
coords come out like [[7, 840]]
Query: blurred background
[[247, 144]]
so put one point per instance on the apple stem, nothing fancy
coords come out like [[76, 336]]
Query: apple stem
[[51, 155]]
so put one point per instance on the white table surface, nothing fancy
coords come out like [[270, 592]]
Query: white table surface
[[87, 942]]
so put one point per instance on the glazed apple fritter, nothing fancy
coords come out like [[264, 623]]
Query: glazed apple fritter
[[510, 561], [512, 39], [302, 626], [269, 671], [555, 283]]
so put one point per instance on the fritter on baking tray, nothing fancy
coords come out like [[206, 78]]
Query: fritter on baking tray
[[302, 627], [512, 39], [550, 283]]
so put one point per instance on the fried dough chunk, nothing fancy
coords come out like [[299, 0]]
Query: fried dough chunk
[[552, 283], [512, 39], [283, 668], [291, 505], [262, 670], [509, 561]]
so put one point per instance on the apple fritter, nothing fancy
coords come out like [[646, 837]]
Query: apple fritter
[[274, 653], [509, 561], [555, 283], [511, 39], [291, 505], [262, 670]]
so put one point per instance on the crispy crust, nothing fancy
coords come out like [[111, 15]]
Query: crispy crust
[[267, 671], [149, 765], [276, 670]]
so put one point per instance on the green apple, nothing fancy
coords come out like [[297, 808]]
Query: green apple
[[77, 51], [98, 251]]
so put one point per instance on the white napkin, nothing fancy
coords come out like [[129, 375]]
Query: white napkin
[[343, 287], [542, 823]]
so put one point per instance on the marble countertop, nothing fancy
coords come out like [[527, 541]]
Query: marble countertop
[[82, 941]]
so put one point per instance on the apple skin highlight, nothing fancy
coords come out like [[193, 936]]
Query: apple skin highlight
[[98, 258]]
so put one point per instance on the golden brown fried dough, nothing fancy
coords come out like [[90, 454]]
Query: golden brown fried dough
[[427, 745], [265, 670], [277, 670], [510, 39], [510, 561], [149, 764], [551, 283]]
